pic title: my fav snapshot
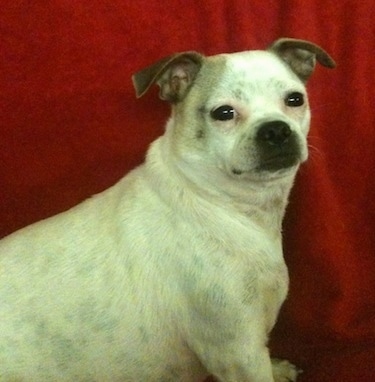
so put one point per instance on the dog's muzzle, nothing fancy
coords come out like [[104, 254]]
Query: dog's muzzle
[[277, 146]]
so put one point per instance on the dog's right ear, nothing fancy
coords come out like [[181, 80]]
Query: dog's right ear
[[301, 56], [174, 74]]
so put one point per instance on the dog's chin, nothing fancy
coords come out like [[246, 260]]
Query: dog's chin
[[270, 168], [278, 163]]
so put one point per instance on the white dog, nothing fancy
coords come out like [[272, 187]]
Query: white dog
[[177, 271]]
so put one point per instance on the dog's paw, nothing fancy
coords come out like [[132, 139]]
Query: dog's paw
[[284, 371]]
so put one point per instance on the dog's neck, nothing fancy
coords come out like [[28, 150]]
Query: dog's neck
[[263, 202]]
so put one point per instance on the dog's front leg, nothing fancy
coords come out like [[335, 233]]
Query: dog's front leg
[[247, 367], [233, 351], [231, 363]]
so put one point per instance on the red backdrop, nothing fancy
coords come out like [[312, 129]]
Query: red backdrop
[[70, 126]]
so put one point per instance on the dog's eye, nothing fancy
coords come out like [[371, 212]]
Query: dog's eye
[[223, 113], [294, 99]]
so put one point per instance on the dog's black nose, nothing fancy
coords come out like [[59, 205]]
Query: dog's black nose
[[274, 132]]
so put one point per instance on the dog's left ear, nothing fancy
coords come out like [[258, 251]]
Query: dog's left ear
[[301, 56], [174, 75]]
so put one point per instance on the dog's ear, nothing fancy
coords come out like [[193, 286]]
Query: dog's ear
[[301, 56], [174, 75]]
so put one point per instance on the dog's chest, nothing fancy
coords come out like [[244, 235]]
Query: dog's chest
[[266, 288], [233, 277]]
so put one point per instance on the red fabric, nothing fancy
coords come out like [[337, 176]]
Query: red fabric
[[70, 126]]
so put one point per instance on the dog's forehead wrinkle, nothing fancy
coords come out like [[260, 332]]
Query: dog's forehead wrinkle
[[247, 90], [243, 76]]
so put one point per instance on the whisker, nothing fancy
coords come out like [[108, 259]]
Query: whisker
[[315, 152]]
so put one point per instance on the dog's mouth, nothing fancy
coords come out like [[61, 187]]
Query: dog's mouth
[[274, 163], [278, 162]]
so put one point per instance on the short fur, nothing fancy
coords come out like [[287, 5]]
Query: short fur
[[175, 272]]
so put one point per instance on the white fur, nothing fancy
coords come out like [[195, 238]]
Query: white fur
[[176, 271]]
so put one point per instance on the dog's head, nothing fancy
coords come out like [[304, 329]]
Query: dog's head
[[244, 114]]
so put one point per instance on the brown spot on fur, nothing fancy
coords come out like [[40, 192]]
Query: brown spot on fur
[[200, 134], [240, 94]]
